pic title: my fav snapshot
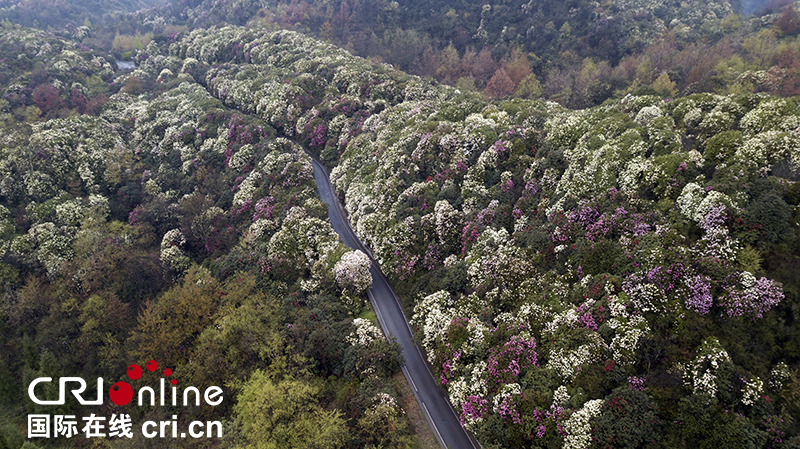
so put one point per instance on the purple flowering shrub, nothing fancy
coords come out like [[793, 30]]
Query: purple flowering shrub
[[747, 296], [507, 362]]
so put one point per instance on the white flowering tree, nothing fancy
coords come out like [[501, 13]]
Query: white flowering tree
[[172, 256], [352, 273]]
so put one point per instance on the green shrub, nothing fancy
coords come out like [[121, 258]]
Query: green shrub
[[722, 146], [629, 420], [772, 213]]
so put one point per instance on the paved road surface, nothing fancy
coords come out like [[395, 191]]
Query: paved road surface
[[434, 403]]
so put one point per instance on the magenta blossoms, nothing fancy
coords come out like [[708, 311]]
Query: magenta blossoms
[[699, 296], [751, 297]]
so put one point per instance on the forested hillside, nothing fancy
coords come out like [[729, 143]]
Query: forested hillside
[[164, 225], [68, 14], [578, 53], [622, 275], [568, 270]]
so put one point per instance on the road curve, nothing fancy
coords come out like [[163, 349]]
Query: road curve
[[434, 404]]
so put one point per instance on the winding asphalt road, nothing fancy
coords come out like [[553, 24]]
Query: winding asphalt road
[[440, 415]]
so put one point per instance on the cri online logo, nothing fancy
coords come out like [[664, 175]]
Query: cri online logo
[[121, 393]]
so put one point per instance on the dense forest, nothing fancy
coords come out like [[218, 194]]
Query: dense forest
[[165, 225], [621, 275], [578, 53]]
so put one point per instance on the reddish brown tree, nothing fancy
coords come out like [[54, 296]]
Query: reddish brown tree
[[484, 66], [344, 19], [78, 101], [46, 98], [662, 53], [295, 13], [786, 58], [788, 21], [95, 104], [626, 69], [517, 66], [500, 85]]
